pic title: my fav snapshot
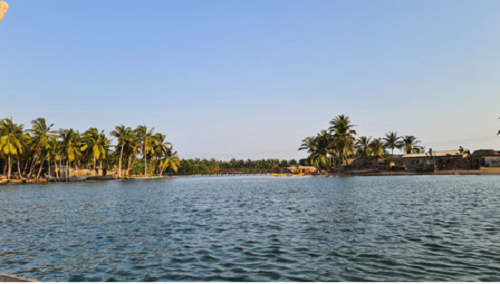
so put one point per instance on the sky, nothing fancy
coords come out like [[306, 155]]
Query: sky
[[251, 79]]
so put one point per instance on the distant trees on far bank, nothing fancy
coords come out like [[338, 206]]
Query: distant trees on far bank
[[213, 166]]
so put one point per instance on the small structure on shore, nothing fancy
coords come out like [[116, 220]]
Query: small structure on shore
[[302, 169], [429, 159], [488, 157]]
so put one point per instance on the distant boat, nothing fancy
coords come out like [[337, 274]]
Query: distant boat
[[76, 178], [288, 175], [107, 177]]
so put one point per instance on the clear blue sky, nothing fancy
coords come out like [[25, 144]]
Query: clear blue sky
[[250, 79]]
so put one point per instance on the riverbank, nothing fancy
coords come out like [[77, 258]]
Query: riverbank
[[482, 171]]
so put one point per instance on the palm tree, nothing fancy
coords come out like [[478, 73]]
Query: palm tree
[[410, 145], [318, 147], [377, 148], [131, 147], [392, 141], [53, 151], [71, 146], [344, 136], [11, 140], [172, 161], [41, 133], [363, 147], [121, 133], [160, 148], [96, 143], [146, 141]]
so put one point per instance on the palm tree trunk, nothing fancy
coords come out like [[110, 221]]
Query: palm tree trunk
[[145, 166], [133, 161], [55, 170], [120, 162], [346, 162], [18, 167], [26, 166], [39, 170], [94, 167], [129, 164], [100, 165], [60, 166], [33, 164], [10, 168], [67, 169]]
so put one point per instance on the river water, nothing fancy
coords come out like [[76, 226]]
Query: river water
[[412, 228]]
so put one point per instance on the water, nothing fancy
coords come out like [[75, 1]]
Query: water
[[424, 228]]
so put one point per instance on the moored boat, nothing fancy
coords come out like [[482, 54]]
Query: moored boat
[[107, 177], [17, 181], [288, 175], [76, 178], [79, 178]]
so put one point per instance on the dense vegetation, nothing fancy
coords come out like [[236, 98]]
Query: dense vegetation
[[32, 151], [335, 146]]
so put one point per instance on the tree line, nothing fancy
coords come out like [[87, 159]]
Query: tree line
[[213, 166], [32, 151], [339, 143]]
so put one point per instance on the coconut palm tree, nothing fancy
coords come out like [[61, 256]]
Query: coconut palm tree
[[319, 147], [172, 161], [11, 142], [410, 145], [53, 153], [146, 140], [392, 141], [41, 133], [344, 135], [97, 144], [363, 147], [71, 146], [160, 149], [121, 133], [131, 148], [377, 148]]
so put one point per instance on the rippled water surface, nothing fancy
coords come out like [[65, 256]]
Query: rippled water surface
[[438, 228]]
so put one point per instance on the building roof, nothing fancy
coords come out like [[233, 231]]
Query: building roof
[[435, 154], [486, 152]]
